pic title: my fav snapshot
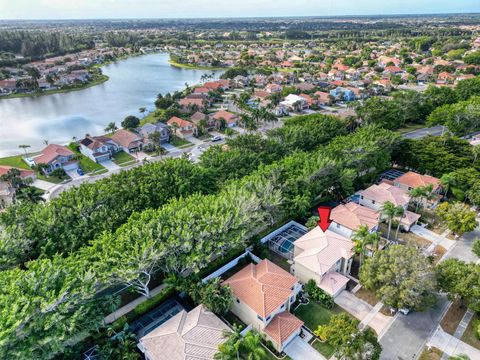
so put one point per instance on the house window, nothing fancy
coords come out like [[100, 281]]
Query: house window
[[283, 306], [268, 318], [361, 197], [373, 201], [338, 226], [292, 299], [238, 300], [259, 318]]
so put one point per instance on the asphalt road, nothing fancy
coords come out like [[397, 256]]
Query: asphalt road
[[421, 133], [407, 335], [463, 247]]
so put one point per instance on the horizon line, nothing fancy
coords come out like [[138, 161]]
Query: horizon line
[[246, 17]]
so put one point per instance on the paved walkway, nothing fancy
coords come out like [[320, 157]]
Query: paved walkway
[[460, 330], [131, 305], [366, 320], [451, 346], [434, 238], [298, 349]]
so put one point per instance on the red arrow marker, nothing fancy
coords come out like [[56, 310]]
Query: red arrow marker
[[324, 213]]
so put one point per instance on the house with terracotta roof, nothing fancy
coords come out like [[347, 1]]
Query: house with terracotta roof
[[193, 335], [325, 257], [230, 118], [56, 157], [376, 195], [98, 148], [189, 104], [263, 295], [346, 218], [182, 128], [412, 180], [128, 141]]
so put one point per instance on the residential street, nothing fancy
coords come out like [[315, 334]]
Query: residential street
[[407, 335], [463, 247]]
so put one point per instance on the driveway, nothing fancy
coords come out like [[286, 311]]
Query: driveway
[[298, 349], [433, 237], [451, 345], [169, 147], [353, 305], [73, 174], [43, 185], [463, 247], [194, 140], [407, 335], [110, 165]]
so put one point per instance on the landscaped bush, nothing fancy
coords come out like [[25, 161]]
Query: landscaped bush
[[318, 295], [149, 304]]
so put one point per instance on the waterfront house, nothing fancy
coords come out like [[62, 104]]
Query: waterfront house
[[193, 335], [56, 157], [263, 294], [98, 148], [325, 257], [128, 141], [159, 127], [182, 128]]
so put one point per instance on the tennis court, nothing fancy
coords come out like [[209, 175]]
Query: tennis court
[[282, 243]]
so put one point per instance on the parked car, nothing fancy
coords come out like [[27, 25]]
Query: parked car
[[216, 138], [80, 172], [404, 311]]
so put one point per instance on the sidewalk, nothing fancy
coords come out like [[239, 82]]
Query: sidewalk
[[461, 328], [451, 346]]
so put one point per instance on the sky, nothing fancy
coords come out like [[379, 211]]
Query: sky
[[94, 9]]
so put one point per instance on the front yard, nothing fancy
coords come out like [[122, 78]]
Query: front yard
[[313, 315], [121, 158], [179, 142], [470, 336], [453, 317], [87, 164], [408, 238], [431, 354], [367, 296]]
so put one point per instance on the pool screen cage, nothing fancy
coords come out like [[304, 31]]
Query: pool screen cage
[[282, 243]]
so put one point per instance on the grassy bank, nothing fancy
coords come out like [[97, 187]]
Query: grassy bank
[[194, 67], [101, 79]]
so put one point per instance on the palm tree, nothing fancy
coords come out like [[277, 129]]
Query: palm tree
[[252, 346], [389, 211], [45, 142], [230, 349], [399, 214], [361, 238], [111, 127], [24, 147], [447, 181], [416, 194]]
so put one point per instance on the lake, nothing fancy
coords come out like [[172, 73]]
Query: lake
[[134, 82]]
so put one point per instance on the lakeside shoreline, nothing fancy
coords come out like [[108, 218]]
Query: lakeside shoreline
[[101, 80], [195, 67]]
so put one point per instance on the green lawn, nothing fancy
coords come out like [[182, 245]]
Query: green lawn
[[15, 161], [314, 315], [52, 179], [325, 349], [86, 163], [179, 142], [122, 158]]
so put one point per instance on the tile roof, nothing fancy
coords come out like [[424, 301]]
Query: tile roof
[[352, 216], [414, 180], [51, 152], [282, 326], [384, 192], [192, 335], [318, 251], [228, 116], [180, 122], [264, 287], [332, 282], [23, 172], [125, 138]]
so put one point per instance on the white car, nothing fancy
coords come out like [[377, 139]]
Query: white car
[[216, 138], [404, 311]]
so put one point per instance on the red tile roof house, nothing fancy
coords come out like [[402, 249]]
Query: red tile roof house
[[98, 148], [263, 295], [377, 195], [412, 180], [349, 217], [128, 141], [323, 98], [190, 104], [7, 193], [182, 128], [325, 257], [56, 157], [231, 119]]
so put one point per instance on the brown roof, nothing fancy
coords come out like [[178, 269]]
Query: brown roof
[[414, 180], [384, 192], [228, 116], [23, 172], [352, 216], [187, 102], [264, 287], [282, 326], [51, 152], [180, 122], [125, 138], [198, 116]]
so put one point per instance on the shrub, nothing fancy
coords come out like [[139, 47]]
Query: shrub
[[149, 304], [318, 295], [119, 324], [476, 247]]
